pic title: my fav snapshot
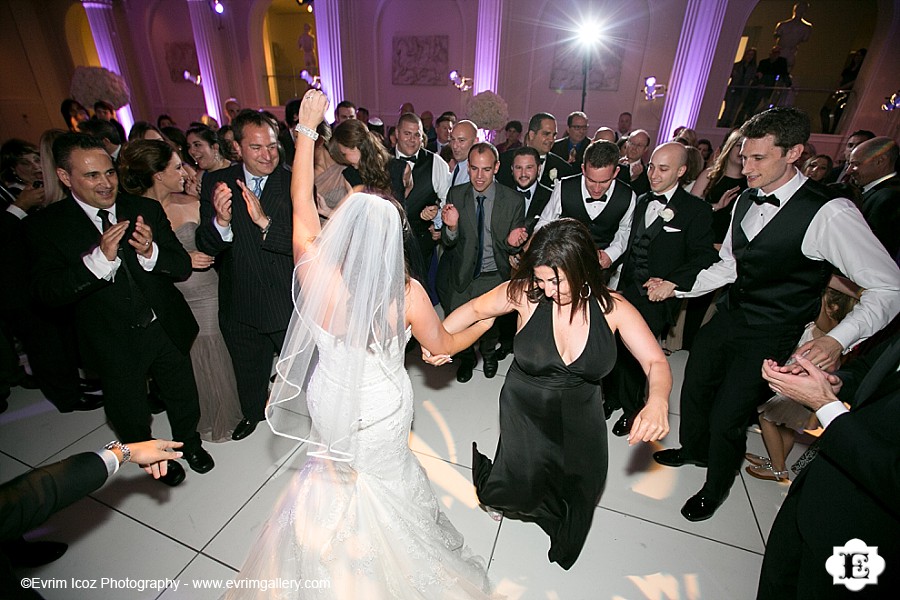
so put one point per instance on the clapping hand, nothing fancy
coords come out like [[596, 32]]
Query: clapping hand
[[450, 216], [221, 202], [802, 382], [142, 238], [823, 352], [254, 208]]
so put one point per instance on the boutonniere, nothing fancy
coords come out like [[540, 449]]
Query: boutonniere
[[666, 214], [552, 174]]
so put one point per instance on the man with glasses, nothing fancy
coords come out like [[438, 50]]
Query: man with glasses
[[572, 146], [634, 171]]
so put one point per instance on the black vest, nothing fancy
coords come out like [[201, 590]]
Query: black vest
[[776, 284], [603, 228], [423, 193]]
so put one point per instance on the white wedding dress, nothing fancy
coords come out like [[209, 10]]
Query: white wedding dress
[[371, 527]]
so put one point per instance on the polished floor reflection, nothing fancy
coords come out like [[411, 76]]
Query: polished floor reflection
[[639, 548]]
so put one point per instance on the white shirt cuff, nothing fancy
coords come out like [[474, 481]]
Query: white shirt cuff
[[109, 458], [226, 232], [100, 266], [149, 263], [15, 210], [830, 412]]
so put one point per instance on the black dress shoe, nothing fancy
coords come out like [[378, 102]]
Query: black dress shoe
[[244, 428], [700, 506], [89, 385], [174, 474], [27, 381], [608, 410], [28, 555], [674, 457], [502, 352], [84, 403], [623, 426], [490, 367], [199, 460], [464, 371]]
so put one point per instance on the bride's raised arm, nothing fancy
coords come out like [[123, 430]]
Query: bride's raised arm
[[305, 215]]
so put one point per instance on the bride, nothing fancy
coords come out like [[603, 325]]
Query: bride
[[361, 514]]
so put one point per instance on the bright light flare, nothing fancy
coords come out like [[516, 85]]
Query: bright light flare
[[218, 7], [589, 33]]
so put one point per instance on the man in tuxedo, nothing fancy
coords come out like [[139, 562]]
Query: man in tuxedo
[[245, 221], [634, 171], [115, 259], [849, 490], [671, 239], [572, 146], [442, 128], [597, 199], [840, 171], [431, 181], [483, 225], [623, 126], [344, 111], [106, 133], [873, 168], [540, 136], [787, 235]]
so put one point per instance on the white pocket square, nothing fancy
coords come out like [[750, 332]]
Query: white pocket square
[[668, 229]]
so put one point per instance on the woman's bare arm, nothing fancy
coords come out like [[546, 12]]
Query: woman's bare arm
[[305, 214], [427, 328]]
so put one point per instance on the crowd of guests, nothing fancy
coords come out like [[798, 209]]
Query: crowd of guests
[[161, 264]]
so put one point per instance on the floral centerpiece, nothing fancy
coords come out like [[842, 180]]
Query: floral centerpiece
[[488, 110], [90, 84]]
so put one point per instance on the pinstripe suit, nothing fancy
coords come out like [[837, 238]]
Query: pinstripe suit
[[255, 274]]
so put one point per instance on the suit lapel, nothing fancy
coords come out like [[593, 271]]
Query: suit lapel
[[80, 230], [885, 368]]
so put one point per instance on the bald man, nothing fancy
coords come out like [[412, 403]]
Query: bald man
[[604, 133], [671, 239], [873, 168]]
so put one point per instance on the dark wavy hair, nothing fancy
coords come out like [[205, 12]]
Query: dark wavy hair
[[373, 158], [563, 245], [140, 161], [214, 138], [788, 125]]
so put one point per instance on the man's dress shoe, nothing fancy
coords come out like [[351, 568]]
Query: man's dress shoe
[[464, 371], [490, 367], [84, 403], [623, 426], [244, 428], [28, 555], [502, 352], [199, 460], [174, 475], [700, 506], [674, 457]]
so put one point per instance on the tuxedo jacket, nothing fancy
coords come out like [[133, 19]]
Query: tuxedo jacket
[[508, 213], [561, 148], [61, 234], [850, 489], [555, 166], [538, 203], [881, 209], [678, 249], [255, 274], [641, 185]]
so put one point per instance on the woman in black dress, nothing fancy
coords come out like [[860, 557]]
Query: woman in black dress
[[551, 462]]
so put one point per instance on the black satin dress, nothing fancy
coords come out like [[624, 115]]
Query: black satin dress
[[551, 461]]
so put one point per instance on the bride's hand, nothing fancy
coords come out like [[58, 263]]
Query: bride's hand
[[312, 108], [435, 360]]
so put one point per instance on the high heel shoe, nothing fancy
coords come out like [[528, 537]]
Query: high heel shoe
[[492, 512], [767, 472]]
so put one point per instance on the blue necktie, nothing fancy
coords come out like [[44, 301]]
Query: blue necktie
[[479, 216], [455, 174], [256, 183]]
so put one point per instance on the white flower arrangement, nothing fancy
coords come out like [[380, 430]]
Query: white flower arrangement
[[553, 173], [90, 84], [487, 110], [666, 214]]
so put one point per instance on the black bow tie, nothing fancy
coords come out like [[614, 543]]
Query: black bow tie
[[413, 159], [542, 159], [589, 200], [661, 198], [764, 199], [526, 193]]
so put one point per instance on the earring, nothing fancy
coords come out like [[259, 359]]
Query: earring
[[582, 294]]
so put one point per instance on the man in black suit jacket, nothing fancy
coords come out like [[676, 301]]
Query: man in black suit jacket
[[115, 258], [483, 226], [849, 490], [872, 167], [572, 146], [634, 171], [245, 216], [540, 136], [671, 239]]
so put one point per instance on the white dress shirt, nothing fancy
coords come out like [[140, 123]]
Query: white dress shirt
[[872, 184], [226, 232], [654, 207], [553, 211], [837, 234], [96, 261]]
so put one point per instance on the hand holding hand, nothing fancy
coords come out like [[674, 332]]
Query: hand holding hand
[[201, 261], [312, 108], [221, 202], [659, 289], [435, 360], [605, 261], [254, 208], [804, 383], [109, 241], [823, 352], [450, 216], [517, 237], [651, 424], [429, 212], [142, 238]]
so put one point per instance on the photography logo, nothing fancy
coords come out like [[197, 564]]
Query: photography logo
[[855, 565]]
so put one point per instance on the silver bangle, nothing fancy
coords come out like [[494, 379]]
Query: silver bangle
[[310, 133], [265, 229], [125, 450]]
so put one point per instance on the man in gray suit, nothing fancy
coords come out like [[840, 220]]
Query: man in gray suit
[[483, 226]]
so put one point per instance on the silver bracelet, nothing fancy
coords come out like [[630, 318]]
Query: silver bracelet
[[125, 450], [310, 133], [265, 229]]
